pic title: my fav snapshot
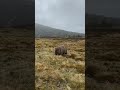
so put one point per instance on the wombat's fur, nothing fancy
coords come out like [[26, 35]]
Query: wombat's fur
[[60, 50]]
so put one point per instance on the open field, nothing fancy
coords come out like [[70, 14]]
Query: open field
[[103, 60], [54, 72], [16, 59]]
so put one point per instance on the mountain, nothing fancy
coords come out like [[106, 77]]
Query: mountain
[[45, 31], [100, 19], [101, 23]]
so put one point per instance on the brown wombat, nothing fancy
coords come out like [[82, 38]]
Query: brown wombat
[[61, 50]]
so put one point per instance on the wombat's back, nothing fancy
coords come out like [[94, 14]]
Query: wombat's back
[[61, 50]]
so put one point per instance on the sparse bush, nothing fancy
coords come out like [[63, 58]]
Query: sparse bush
[[80, 68], [73, 56], [80, 50], [79, 59]]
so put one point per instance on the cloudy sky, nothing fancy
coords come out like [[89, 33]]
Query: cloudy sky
[[103, 7], [16, 12], [62, 14]]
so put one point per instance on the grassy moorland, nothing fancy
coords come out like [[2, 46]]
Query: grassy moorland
[[103, 61], [54, 72], [16, 59]]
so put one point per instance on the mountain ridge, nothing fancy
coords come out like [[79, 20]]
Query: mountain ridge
[[46, 31], [100, 23]]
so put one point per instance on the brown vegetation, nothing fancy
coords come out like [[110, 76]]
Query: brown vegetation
[[103, 60], [58, 72]]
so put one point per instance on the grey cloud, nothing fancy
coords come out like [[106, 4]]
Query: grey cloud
[[63, 14]]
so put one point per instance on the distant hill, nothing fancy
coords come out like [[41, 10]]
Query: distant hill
[[100, 22], [99, 19], [45, 31]]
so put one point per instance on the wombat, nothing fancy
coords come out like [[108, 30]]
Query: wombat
[[61, 50]]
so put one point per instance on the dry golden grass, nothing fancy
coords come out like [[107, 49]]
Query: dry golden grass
[[59, 72]]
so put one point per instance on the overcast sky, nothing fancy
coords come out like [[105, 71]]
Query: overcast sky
[[109, 8], [16, 12], [62, 14]]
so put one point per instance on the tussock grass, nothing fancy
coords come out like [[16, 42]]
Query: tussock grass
[[103, 60], [59, 72]]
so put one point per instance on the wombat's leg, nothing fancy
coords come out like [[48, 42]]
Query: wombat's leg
[[56, 51], [60, 51], [66, 51], [63, 51]]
